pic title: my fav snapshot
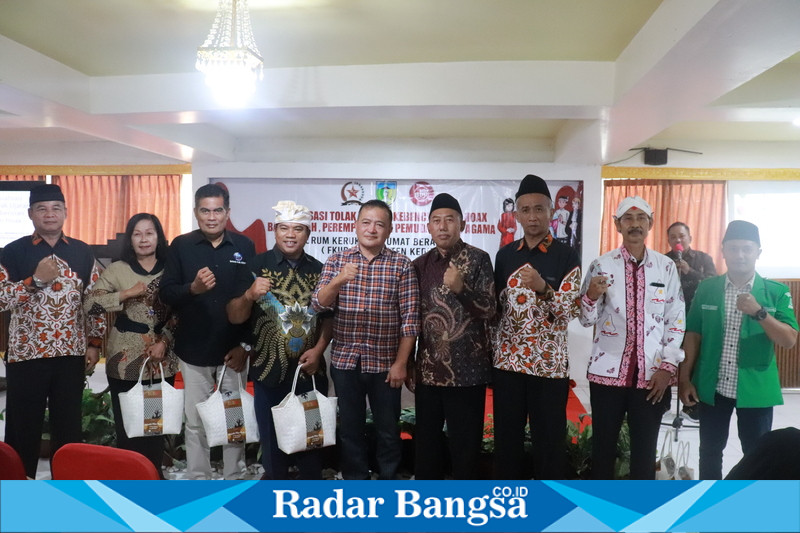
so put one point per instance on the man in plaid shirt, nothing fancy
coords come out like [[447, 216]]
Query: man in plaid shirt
[[374, 295]]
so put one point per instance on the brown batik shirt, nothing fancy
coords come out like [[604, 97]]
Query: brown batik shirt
[[454, 344]]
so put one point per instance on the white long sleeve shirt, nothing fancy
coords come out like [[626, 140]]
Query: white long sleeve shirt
[[639, 321]]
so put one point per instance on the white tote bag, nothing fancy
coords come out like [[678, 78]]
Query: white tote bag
[[684, 472], [665, 466], [229, 416], [306, 421], [152, 409]]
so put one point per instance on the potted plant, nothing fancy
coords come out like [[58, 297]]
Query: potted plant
[[97, 421]]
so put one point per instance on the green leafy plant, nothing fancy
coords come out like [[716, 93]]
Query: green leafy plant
[[622, 468], [175, 450], [579, 449], [487, 444], [97, 419], [579, 446]]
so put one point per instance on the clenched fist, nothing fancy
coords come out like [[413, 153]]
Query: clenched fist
[[597, 287], [747, 304], [348, 273], [204, 281], [259, 288], [453, 278], [531, 279], [137, 290], [46, 270]]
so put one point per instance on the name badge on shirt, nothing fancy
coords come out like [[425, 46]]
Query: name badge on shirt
[[709, 307]]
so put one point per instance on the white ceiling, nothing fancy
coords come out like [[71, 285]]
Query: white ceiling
[[587, 80]]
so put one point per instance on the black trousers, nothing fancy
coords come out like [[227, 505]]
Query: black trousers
[[609, 406], [462, 408], [715, 420], [353, 387], [517, 398], [151, 447], [33, 386]]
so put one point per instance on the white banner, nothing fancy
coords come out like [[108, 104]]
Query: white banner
[[488, 209]]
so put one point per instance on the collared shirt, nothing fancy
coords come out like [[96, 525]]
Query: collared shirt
[[50, 321], [639, 321], [141, 321], [701, 266], [283, 324], [454, 343], [729, 361], [633, 353], [758, 382], [531, 337], [372, 312], [204, 336]]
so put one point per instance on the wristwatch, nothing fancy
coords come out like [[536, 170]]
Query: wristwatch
[[760, 315], [39, 283], [247, 347]]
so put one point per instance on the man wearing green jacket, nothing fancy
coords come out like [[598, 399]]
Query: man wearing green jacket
[[734, 323]]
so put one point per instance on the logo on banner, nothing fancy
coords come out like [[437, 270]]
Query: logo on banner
[[386, 191], [421, 193], [352, 193]]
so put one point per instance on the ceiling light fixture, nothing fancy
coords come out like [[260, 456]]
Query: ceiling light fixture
[[229, 57]]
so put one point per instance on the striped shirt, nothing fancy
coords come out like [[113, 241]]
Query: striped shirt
[[372, 312], [729, 361]]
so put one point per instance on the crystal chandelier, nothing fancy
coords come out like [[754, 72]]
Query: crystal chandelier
[[229, 57]]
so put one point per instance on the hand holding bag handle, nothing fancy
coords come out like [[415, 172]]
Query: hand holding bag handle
[[132, 408], [304, 422], [212, 412]]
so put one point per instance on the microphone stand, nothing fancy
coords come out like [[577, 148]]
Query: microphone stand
[[677, 422]]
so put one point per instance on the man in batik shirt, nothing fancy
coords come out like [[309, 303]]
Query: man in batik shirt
[[537, 279], [52, 342], [275, 295], [454, 356]]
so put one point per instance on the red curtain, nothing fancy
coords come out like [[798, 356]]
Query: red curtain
[[700, 205], [21, 177], [98, 207]]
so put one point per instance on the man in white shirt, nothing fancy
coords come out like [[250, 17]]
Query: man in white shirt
[[633, 297]]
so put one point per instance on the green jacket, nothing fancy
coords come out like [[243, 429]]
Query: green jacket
[[758, 383]]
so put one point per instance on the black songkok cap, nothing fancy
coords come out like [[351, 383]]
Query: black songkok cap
[[445, 201], [533, 184], [741, 230], [46, 193]]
